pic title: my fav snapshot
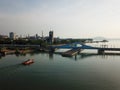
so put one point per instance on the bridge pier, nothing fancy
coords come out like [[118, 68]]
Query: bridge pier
[[79, 51], [52, 49], [100, 51]]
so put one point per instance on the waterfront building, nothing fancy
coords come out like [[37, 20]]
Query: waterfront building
[[3, 36], [32, 37]]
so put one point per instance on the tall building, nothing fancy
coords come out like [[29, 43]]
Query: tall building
[[51, 39], [12, 35]]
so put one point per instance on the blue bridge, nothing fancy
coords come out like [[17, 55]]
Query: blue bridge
[[80, 46]]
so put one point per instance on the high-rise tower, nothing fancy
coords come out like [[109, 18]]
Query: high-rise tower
[[12, 35], [51, 39]]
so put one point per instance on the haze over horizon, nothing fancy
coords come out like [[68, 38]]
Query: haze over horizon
[[67, 18]]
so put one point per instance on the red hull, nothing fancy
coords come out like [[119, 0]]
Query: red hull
[[28, 62]]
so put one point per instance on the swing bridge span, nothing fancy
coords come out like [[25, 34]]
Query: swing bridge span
[[77, 47]]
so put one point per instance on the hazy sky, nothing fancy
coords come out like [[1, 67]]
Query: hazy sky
[[67, 18]]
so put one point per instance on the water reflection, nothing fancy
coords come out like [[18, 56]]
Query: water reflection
[[75, 57], [18, 55], [0, 57], [30, 53], [82, 56], [105, 55], [34, 53], [51, 55], [10, 70], [65, 73], [86, 55], [11, 67]]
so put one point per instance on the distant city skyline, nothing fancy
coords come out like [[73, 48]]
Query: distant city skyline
[[67, 18]]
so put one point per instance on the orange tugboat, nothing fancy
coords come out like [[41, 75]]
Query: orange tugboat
[[28, 62]]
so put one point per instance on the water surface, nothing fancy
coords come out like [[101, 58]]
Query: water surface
[[53, 72]]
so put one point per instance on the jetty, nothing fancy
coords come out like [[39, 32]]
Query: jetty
[[71, 52]]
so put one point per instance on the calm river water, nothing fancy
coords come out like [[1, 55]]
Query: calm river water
[[86, 71]]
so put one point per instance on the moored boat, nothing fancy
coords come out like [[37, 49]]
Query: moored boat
[[28, 62]]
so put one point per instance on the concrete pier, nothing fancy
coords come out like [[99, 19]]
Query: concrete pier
[[71, 52]]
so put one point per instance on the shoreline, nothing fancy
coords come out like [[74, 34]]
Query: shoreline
[[8, 52]]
